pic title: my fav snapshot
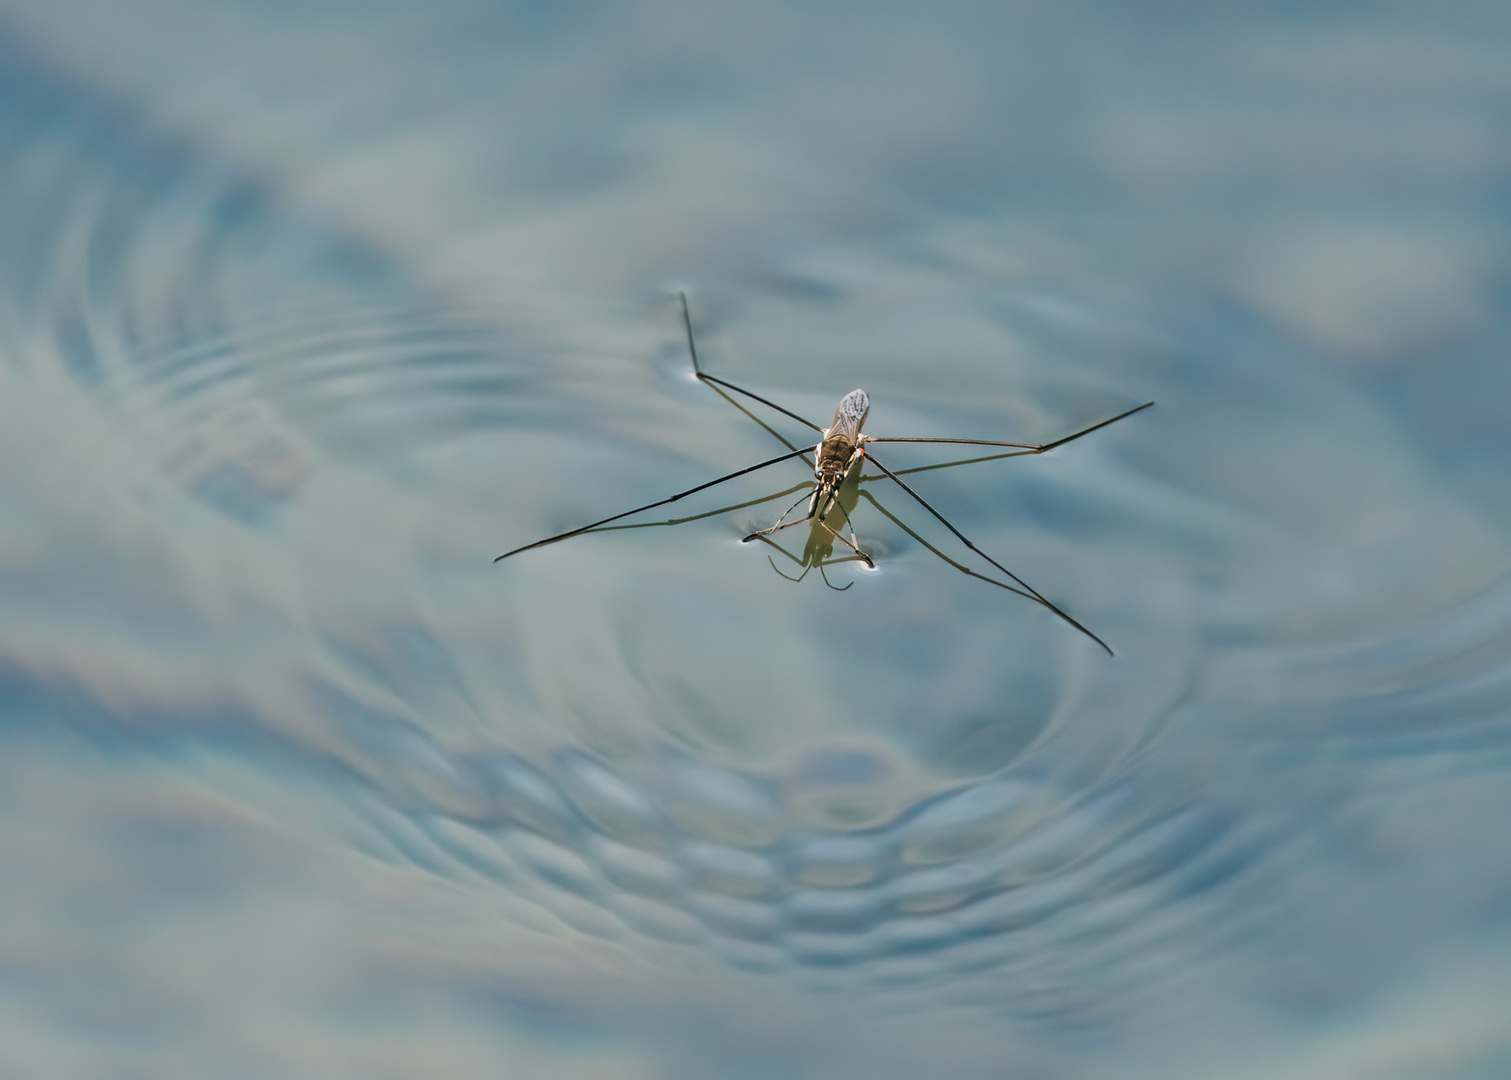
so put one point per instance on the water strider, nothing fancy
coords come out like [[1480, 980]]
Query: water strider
[[840, 456]]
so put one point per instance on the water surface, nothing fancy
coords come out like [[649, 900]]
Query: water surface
[[306, 316]]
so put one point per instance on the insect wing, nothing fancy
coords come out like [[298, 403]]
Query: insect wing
[[850, 415]]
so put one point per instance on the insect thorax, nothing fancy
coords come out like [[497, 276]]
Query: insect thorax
[[833, 460]]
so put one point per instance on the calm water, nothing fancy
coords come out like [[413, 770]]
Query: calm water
[[307, 312]]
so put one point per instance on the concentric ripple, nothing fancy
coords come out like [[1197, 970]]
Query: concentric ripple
[[646, 737]]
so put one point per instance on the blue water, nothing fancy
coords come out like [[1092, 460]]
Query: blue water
[[306, 313]]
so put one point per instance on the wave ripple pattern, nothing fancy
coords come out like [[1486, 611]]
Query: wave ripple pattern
[[257, 464]]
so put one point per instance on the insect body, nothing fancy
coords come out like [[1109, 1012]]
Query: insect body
[[839, 454], [836, 459], [840, 450]]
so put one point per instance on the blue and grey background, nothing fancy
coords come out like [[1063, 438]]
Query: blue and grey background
[[308, 311]]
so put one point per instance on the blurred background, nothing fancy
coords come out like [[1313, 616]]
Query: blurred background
[[309, 311]]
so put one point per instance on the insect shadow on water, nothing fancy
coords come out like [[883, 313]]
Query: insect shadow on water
[[838, 460]]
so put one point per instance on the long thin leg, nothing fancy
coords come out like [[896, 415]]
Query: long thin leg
[[964, 461], [658, 502], [1032, 448], [854, 543], [1033, 593], [809, 566], [763, 401], [707, 513], [779, 526], [849, 544], [692, 349], [773, 432], [764, 533], [786, 554], [793, 558], [895, 520], [784, 551], [951, 464]]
